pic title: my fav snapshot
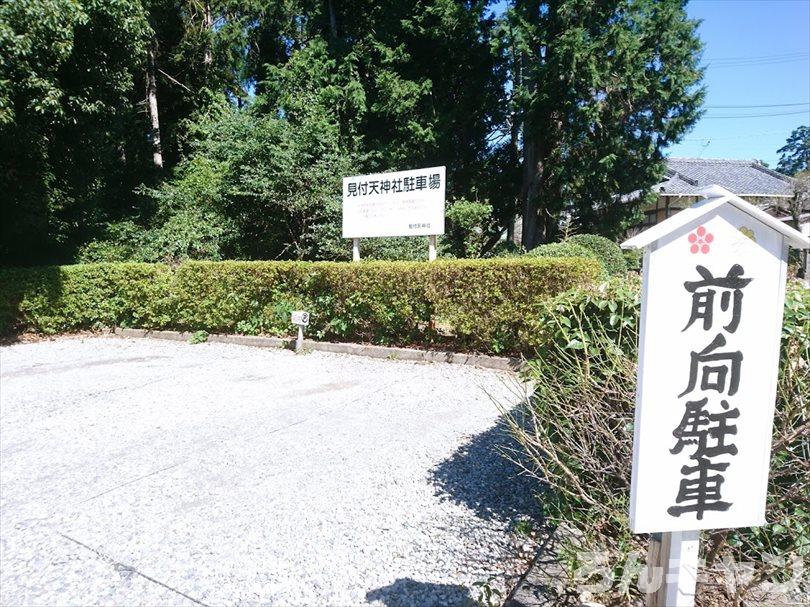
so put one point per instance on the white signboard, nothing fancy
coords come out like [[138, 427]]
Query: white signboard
[[711, 320], [405, 203], [300, 317]]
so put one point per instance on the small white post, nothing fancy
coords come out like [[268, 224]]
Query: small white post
[[677, 555], [299, 342], [683, 568], [431, 248], [355, 249]]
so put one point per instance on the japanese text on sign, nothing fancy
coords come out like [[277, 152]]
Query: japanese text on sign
[[404, 203], [714, 376], [708, 361], [395, 186]]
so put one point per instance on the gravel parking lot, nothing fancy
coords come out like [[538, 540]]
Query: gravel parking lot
[[161, 473]]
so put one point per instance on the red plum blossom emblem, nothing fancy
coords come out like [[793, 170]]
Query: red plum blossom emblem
[[699, 240]]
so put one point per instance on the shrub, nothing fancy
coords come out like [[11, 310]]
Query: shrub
[[576, 435], [469, 227], [608, 252], [494, 302], [395, 248], [53, 299], [633, 259], [506, 248], [563, 249], [484, 305], [198, 337]]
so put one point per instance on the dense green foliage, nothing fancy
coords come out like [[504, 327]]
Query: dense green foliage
[[577, 434], [591, 246], [484, 305], [255, 186], [562, 249], [469, 229], [633, 259], [794, 156], [339, 87], [67, 107], [607, 251], [151, 130], [600, 89]]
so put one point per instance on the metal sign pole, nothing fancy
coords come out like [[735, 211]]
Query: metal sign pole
[[355, 249], [431, 248]]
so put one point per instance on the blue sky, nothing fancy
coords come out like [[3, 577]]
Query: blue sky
[[757, 52]]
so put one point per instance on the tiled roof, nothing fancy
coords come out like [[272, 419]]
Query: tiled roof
[[743, 177]]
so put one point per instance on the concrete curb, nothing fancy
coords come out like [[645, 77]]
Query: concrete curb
[[412, 354]]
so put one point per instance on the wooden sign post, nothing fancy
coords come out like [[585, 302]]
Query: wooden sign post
[[711, 320]]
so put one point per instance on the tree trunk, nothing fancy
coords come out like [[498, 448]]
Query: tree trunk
[[208, 27], [532, 158], [332, 19], [151, 97], [528, 192]]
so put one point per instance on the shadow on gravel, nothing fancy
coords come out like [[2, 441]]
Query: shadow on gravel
[[406, 592], [478, 476]]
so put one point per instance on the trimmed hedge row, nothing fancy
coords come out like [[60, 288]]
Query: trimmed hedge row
[[562, 249], [485, 305], [608, 252]]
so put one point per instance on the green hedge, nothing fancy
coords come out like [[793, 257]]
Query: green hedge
[[484, 305], [564, 249], [608, 252]]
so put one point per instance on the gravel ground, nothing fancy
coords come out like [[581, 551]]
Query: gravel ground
[[160, 473]]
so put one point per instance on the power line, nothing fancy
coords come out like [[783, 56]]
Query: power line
[[758, 57], [729, 107], [738, 57], [805, 112], [757, 60], [748, 136], [757, 63]]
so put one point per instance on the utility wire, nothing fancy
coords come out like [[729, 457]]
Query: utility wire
[[805, 112], [757, 59], [728, 107], [744, 57], [761, 63], [749, 136]]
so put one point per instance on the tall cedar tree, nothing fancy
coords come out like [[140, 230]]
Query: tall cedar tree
[[599, 89], [794, 156], [583, 94], [433, 90]]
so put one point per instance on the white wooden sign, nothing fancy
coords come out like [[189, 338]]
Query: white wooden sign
[[404, 203], [712, 303]]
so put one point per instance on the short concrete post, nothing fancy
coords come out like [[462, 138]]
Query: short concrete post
[[300, 318]]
